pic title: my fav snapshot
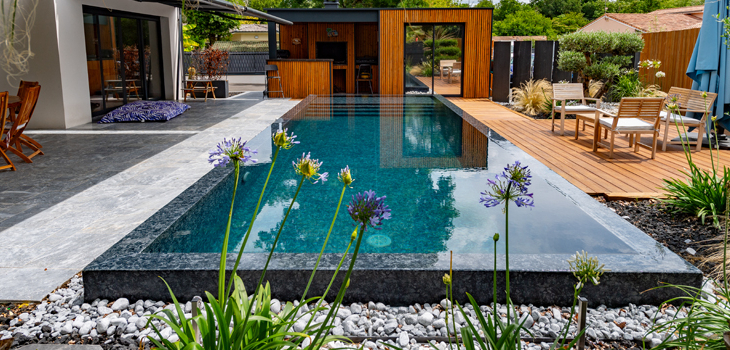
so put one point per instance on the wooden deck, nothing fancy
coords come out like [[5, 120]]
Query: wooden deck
[[443, 87], [629, 175]]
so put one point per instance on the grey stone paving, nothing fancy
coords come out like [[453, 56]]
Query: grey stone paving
[[78, 158], [44, 250]]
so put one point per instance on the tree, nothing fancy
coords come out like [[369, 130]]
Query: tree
[[584, 53], [209, 26], [485, 3], [569, 22], [506, 7], [555, 8], [523, 23]]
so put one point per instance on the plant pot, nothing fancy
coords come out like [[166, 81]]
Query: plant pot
[[221, 90]]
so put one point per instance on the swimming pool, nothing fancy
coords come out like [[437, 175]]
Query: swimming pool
[[432, 160]]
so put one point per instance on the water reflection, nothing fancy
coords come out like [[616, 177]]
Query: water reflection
[[428, 161]]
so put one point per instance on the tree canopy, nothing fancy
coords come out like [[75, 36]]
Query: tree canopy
[[207, 26], [524, 22]]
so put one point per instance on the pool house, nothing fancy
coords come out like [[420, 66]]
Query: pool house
[[335, 50]]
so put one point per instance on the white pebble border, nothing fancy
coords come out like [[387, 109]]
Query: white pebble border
[[64, 313]]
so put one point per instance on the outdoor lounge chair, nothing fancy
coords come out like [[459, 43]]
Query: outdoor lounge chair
[[635, 116], [445, 67], [689, 101], [12, 136], [570, 92]]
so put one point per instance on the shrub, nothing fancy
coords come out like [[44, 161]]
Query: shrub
[[582, 52], [532, 96], [448, 51], [704, 192]]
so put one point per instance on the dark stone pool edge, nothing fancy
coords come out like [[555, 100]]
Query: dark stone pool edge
[[401, 279]]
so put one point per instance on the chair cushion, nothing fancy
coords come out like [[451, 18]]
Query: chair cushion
[[675, 119], [578, 108], [627, 124]]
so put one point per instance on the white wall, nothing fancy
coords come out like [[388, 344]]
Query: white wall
[[59, 64]]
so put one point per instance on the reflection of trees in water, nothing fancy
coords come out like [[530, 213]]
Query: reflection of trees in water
[[422, 220]]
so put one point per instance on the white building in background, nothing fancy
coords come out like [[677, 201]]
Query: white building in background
[[91, 56]]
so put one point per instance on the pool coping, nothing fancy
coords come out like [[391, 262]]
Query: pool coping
[[543, 279]]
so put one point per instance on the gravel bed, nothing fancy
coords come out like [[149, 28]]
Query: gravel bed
[[683, 234], [63, 317]]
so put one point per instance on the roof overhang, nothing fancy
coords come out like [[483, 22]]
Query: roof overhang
[[327, 15], [225, 7]]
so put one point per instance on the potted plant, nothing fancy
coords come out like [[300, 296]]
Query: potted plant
[[212, 65]]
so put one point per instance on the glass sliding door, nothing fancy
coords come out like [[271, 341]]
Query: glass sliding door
[[123, 59], [433, 59], [418, 64], [448, 47]]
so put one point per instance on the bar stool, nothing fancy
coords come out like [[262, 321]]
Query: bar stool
[[275, 75], [364, 73]]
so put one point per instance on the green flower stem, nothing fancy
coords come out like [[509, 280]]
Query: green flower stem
[[448, 334], [311, 278], [273, 246], [506, 254], [250, 225], [332, 281], [278, 234], [343, 287], [224, 250], [494, 295], [576, 293], [724, 250]]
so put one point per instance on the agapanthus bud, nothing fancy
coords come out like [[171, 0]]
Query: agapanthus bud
[[447, 279], [345, 176], [353, 236], [309, 168], [496, 237], [281, 139]]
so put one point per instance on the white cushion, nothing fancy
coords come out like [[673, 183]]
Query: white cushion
[[578, 108], [676, 119], [627, 124]]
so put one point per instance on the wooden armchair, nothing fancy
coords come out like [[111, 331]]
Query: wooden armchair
[[3, 135], [445, 66], [570, 92], [12, 136], [635, 116], [25, 139], [688, 101]]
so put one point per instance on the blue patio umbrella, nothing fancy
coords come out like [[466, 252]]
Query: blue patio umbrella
[[708, 66]]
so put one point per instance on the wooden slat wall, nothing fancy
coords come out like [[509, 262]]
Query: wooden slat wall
[[301, 78], [674, 50], [477, 46], [345, 32], [287, 33], [366, 39]]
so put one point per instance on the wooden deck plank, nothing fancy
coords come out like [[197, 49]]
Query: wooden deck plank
[[627, 176]]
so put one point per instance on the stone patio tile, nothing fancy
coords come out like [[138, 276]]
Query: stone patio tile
[[30, 284]]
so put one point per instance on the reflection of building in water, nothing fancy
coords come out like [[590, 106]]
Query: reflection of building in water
[[409, 141]]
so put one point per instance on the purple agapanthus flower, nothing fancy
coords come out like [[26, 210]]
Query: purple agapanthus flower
[[281, 139], [367, 209], [509, 186], [233, 150], [309, 168]]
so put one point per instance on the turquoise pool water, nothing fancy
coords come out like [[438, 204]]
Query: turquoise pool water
[[428, 161]]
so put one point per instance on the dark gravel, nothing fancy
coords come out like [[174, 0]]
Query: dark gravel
[[672, 230]]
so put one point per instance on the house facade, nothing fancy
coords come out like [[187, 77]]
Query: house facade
[[87, 56]]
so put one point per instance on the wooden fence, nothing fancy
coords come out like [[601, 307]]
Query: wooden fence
[[674, 50], [239, 63]]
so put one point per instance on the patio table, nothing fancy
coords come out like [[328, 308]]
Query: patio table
[[193, 86], [13, 103]]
